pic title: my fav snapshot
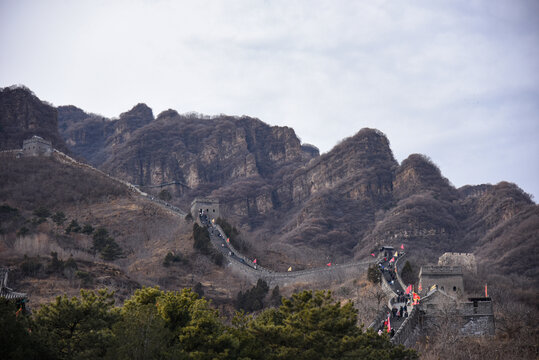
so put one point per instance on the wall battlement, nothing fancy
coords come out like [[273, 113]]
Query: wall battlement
[[441, 270]]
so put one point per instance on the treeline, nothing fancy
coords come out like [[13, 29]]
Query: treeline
[[154, 324]]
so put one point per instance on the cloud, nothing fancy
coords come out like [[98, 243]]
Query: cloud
[[456, 80]]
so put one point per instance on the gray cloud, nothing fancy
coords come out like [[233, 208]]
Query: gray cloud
[[456, 80]]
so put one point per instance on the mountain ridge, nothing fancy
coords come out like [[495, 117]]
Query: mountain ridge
[[294, 205]]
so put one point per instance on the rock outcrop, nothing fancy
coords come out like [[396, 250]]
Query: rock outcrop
[[23, 115], [299, 206]]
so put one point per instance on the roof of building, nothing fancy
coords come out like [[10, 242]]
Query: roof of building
[[6, 292], [12, 295]]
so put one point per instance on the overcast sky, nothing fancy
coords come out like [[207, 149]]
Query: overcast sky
[[455, 80]]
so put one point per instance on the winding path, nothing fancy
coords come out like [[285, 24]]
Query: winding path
[[235, 260], [239, 263]]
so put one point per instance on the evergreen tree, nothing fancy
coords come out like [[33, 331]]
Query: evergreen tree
[[77, 328], [15, 337], [407, 273], [312, 326], [58, 218], [374, 275], [42, 212], [73, 227], [87, 229], [140, 333], [106, 245]]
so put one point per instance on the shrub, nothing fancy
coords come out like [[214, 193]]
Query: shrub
[[172, 258], [199, 289], [73, 227], [276, 297], [55, 265], [233, 234], [106, 245], [165, 195], [374, 275], [7, 210], [253, 299], [42, 212], [201, 238], [58, 218], [86, 278], [202, 243], [23, 231], [407, 273], [38, 220], [70, 263], [87, 229]]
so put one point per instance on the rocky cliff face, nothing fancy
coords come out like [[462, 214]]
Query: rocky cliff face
[[188, 150], [23, 115], [503, 224], [95, 138], [301, 207]]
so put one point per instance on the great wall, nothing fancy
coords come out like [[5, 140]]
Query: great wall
[[477, 312]]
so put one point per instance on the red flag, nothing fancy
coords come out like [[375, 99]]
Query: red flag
[[328, 264], [408, 289], [486, 293], [402, 246], [392, 259], [388, 324], [254, 261], [227, 240], [372, 254]]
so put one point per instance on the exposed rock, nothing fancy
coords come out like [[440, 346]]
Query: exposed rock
[[23, 115], [340, 204], [418, 173]]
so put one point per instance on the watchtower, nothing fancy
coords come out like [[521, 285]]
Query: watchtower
[[448, 279], [208, 206], [36, 146]]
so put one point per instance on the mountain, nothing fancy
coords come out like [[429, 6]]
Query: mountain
[[95, 138], [52, 209], [23, 115], [295, 206]]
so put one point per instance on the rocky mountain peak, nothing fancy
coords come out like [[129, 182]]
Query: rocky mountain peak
[[140, 113], [167, 114], [22, 115], [417, 173]]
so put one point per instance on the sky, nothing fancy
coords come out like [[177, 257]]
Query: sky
[[455, 80]]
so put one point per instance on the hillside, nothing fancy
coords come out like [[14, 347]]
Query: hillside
[[35, 191], [294, 206]]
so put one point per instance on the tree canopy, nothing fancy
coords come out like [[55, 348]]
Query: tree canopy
[[156, 324]]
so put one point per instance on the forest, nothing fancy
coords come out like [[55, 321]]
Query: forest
[[157, 324]]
